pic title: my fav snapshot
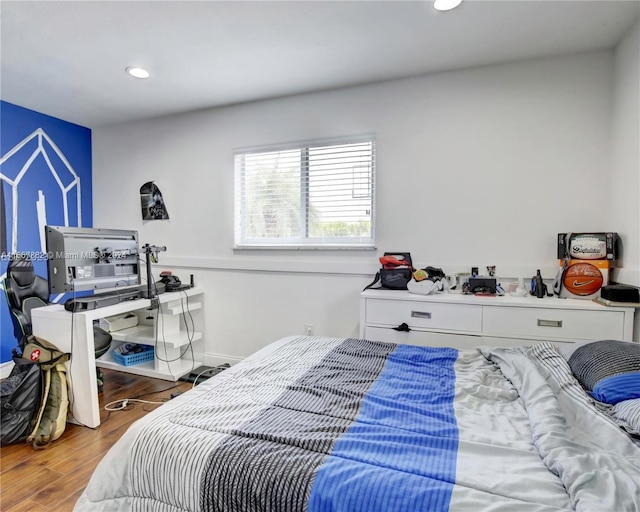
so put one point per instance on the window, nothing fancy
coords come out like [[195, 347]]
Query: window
[[306, 195]]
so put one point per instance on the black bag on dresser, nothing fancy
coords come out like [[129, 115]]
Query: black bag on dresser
[[396, 271]]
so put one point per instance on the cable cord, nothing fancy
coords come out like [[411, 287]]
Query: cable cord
[[184, 316], [195, 381], [159, 318], [190, 335], [157, 392], [124, 403]]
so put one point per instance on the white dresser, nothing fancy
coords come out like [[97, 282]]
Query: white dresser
[[466, 321]]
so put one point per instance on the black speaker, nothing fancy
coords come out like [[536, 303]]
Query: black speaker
[[620, 293]]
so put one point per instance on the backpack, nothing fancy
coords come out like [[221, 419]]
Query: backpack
[[20, 396], [51, 419]]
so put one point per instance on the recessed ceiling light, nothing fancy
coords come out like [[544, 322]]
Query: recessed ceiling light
[[138, 72], [446, 5]]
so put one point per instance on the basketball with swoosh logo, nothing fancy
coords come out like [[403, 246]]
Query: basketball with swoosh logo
[[583, 279]]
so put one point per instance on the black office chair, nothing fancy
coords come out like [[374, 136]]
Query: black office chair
[[26, 291]]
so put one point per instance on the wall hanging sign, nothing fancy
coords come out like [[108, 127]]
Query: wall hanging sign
[[152, 203]]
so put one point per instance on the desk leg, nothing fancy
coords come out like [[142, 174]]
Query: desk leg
[[84, 379], [81, 368]]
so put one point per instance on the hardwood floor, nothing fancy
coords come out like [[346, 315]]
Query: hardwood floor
[[53, 479]]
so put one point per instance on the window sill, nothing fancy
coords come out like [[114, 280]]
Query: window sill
[[340, 247]]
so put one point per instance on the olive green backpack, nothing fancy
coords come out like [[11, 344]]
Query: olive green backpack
[[51, 419]]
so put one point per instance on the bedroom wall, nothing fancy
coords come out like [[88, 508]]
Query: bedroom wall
[[625, 168], [475, 167]]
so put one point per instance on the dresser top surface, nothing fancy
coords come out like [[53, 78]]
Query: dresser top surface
[[492, 300]]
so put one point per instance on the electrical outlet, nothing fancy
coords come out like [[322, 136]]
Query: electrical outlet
[[308, 329]]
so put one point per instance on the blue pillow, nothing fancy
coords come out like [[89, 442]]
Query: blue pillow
[[609, 370]]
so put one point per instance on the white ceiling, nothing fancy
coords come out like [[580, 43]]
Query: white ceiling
[[67, 58]]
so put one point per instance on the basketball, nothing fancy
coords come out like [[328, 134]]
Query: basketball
[[582, 279]]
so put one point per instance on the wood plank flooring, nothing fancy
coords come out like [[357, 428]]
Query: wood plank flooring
[[53, 479]]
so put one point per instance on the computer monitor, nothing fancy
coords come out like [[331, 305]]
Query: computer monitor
[[81, 259]]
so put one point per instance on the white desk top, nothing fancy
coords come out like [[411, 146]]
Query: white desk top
[[116, 309]]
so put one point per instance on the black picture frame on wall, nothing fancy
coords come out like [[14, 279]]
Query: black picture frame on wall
[[152, 203]]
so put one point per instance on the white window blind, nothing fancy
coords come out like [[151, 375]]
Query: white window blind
[[317, 194]]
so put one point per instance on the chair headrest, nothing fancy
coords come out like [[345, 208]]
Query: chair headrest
[[20, 269]]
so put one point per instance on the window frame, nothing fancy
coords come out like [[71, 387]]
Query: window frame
[[304, 242]]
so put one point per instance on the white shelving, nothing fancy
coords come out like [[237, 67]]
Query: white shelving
[[149, 368], [173, 320], [146, 334], [169, 330]]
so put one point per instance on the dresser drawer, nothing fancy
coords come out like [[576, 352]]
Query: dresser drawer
[[548, 323], [422, 338], [425, 315]]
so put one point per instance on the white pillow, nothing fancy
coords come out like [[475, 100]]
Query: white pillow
[[566, 349], [629, 412]]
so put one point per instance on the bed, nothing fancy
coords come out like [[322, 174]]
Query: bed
[[338, 424]]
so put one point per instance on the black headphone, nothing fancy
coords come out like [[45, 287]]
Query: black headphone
[[170, 281]]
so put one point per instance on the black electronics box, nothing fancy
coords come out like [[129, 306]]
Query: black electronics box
[[482, 285], [202, 373], [620, 293]]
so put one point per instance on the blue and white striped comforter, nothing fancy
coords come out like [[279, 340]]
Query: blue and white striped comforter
[[327, 424]]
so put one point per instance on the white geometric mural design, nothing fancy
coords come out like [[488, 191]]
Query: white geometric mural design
[[44, 144]]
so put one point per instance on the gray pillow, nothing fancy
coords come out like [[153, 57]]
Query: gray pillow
[[609, 370]]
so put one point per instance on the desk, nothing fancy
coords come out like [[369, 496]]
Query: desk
[[73, 333]]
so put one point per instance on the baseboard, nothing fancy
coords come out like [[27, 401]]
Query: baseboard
[[217, 359], [5, 369]]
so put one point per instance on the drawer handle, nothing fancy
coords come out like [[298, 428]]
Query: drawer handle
[[549, 323], [403, 327], [421, 314]]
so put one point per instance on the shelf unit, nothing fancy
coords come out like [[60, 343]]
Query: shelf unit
[[73, 332], [168, 331]]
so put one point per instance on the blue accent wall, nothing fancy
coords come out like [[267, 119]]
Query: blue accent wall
[[43, 161]]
